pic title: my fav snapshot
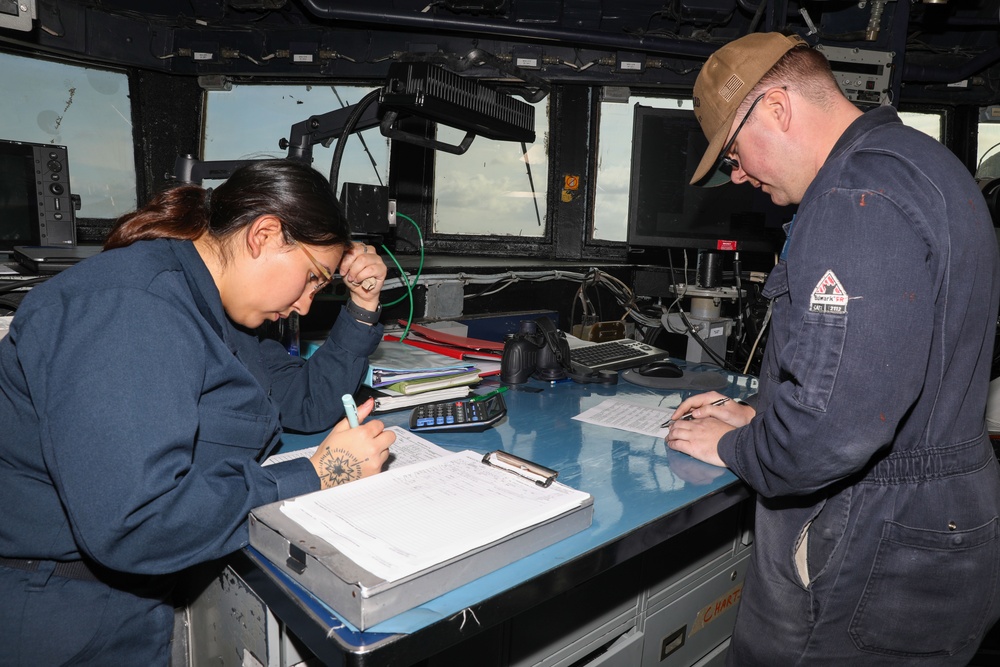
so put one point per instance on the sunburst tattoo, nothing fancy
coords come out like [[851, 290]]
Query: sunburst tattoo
[[340, 467]]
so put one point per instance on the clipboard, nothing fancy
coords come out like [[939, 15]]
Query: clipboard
[[364, 598], [538, 474]]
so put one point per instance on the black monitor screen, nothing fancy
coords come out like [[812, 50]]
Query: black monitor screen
[[664, 211], [18, 208]]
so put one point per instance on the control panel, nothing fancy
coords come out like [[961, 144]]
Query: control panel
[[56, 212], [863, 75]]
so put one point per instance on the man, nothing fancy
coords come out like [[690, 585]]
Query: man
[[877, 490]]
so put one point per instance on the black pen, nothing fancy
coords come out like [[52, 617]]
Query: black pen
[[690, 413]]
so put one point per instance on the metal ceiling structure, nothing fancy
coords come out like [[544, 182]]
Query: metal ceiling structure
[[941, 51]]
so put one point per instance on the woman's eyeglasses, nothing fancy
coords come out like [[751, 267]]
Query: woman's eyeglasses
[[326, 275]]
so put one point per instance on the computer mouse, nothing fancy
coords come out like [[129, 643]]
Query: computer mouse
[[660, 369]]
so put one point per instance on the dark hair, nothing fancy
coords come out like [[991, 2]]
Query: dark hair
[[294, 192]]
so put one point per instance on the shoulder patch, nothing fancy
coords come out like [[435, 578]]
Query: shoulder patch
[[829, 296]]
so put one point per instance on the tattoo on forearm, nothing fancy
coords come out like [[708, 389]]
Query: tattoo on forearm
[[338, 466]]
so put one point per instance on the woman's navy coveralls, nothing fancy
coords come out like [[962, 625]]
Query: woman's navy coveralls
[[134, 414]]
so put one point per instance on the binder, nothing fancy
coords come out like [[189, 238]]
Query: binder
[[420, 385], [396, 362], [447, 350], [328, 568], [391, 402], [451, 340]]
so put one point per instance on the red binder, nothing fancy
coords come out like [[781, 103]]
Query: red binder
[[463, 342]]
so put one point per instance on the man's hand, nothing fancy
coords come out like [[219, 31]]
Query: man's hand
[[699, 434]]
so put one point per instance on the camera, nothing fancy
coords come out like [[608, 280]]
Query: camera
[[538, 349]]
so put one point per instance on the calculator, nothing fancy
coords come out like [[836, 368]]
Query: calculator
[[463, 415]]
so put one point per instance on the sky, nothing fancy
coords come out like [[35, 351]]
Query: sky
[[486, 190], [87, 110], [494, 188]]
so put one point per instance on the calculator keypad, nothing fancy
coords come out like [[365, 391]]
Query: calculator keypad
[[458, 415]]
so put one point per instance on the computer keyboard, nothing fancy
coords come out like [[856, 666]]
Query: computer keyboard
[[614, 355]]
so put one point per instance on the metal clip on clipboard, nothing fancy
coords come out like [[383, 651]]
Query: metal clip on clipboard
[[539, 474]]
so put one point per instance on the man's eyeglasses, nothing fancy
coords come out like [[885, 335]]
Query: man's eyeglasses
[[728, 165], [326, 275]]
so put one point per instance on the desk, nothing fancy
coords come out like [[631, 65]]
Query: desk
[[664, 525]]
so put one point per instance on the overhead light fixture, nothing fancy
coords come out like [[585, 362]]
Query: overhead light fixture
[[438, 95]]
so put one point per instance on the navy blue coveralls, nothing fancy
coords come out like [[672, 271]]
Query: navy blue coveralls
[[868, 451], [134, 416]]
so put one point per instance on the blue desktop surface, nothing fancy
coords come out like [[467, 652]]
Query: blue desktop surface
[[644, 493]]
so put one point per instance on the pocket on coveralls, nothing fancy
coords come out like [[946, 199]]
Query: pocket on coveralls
[[232, 430], [818, 351], [929, 592]]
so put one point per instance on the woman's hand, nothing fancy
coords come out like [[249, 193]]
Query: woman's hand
[[349, 453], [363, 272]]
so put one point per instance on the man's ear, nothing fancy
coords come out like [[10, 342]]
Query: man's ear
[[262, 232], [777, 105]]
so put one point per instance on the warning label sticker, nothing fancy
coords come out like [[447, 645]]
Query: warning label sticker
[[829, 296]]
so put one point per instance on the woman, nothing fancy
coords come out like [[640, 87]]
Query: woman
[[138, 403]]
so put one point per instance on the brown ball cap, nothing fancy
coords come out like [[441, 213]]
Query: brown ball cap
[[724, 82]]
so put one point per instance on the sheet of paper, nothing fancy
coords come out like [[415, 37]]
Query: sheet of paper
[[407, 450], [408, 519], [630, 416]]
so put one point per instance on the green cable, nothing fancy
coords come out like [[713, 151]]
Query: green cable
[[420, 267], [409, 291], [402, 274]]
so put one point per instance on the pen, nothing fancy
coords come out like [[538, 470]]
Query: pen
[[690, 413], [498, 390], [351, 408]]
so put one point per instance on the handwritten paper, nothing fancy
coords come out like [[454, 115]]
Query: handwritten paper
[[629, 416]]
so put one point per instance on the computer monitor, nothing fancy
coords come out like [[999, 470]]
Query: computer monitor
[[665, 212], [36, 207]]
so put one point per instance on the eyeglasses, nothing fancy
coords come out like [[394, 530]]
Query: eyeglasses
[[728, 165], [327, 276]]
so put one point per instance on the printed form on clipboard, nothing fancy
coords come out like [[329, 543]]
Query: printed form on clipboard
[[381, 545]]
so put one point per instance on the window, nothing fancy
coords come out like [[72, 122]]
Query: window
[[988, 155], [85, 109], [495, 187], [479, 192], [928, 123], [614, 155], [247, 122]]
